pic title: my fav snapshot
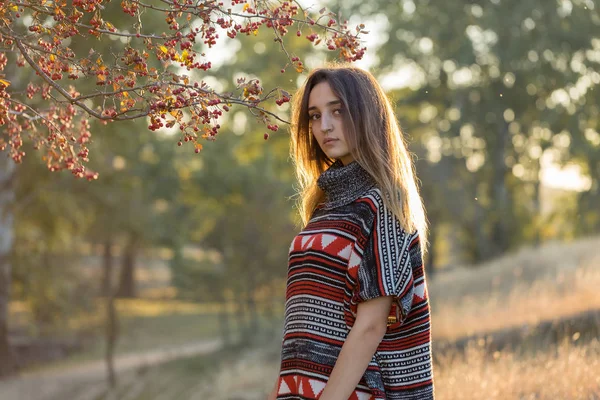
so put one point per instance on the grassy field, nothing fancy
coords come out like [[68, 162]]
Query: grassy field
[[565, 371], [144, 324], [520, 290]]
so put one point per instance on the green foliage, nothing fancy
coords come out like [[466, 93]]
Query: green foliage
[[499, 85]]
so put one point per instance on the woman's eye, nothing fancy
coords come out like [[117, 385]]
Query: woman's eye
[[313, 117]]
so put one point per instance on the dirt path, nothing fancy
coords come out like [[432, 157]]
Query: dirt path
[[46, 385]]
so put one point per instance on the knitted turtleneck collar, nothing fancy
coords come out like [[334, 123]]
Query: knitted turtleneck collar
[[343, 184]]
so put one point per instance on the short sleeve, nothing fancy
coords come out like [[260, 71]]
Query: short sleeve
[[386, 268]]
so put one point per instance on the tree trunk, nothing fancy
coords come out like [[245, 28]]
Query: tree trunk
[[127, 287], [224, 323], [8, 360], [537, 211], [240, 312], [111, 315], [251, 303], [501, 209], [482, 242], [107, 269]]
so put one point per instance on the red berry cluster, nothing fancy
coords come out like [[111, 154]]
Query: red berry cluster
[[282, 100], [131, 87]]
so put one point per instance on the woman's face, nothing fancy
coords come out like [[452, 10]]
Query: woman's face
[[325, 116]]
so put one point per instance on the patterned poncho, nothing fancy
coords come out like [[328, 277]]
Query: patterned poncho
[[353, 249]]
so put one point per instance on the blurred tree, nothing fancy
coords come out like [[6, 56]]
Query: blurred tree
[[243, 214], [146, 77], [494, 83], [237, 198], [38, 37], [6, 245]]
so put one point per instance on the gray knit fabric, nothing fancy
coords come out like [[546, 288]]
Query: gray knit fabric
[[343, 184]]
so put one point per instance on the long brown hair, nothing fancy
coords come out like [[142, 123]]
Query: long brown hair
[[375, 140]]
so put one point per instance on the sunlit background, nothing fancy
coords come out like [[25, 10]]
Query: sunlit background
[[499, 102]]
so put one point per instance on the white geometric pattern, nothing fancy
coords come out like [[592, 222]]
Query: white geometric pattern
[[354, 261], [363, 396], [317, 386], [284, 388], [326, 240], [419, 291], [345, 253], [305, 239]]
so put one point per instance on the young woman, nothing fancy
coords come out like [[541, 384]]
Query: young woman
[[357, 313]]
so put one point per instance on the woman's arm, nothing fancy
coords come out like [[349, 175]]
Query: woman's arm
[[273, 394], [358, 349]]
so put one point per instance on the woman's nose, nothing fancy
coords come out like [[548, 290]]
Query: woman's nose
[[326, 123]]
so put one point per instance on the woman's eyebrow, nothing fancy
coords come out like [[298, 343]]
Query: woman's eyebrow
[[329, 104]]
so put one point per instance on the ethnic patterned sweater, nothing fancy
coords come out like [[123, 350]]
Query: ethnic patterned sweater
[[353, 249]]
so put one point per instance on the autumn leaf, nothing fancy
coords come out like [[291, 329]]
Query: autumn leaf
[[177, 114], [131, 73]]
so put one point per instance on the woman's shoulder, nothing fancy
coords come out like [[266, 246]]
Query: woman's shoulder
[[374, 197]]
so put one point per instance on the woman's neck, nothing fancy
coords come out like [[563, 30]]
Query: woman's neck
[[343, 184]]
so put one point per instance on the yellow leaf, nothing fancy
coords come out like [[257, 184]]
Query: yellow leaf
[[177, 114], [246, 6], [5, 82], [184, 55], [164, 49], [198, 146], [13, 7]]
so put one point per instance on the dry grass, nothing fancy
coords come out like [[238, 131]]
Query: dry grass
[[553, 281], [563, 372], [547, 283]]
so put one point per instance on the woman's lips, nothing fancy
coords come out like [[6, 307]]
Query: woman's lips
[[327, 141]]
